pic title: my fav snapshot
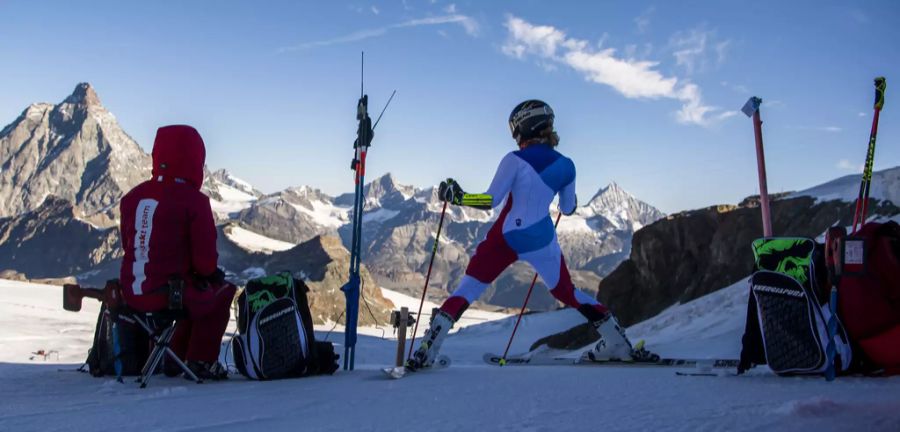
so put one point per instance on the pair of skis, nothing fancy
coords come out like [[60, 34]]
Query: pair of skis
[[694, 367], [584, 360]]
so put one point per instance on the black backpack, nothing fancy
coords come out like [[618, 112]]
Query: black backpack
[[275, 331], [787, 311], [133, 341]]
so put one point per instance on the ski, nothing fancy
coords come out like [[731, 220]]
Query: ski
[[520, 360], [398, 372], [695, 374]]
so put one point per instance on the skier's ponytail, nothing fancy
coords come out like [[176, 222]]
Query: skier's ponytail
[[550, 136]]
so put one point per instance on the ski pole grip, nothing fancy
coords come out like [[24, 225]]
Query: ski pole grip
[[880, 86]]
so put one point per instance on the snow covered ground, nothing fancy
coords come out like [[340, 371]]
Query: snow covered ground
[[233, 199], [885, 186], [469, 395]]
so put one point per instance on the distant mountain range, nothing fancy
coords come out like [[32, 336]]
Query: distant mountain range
[[400, 222], [63, 168]]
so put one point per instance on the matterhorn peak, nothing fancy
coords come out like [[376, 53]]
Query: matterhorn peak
[[612, 190], [84, 94]]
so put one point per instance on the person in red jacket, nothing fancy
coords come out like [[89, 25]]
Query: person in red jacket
[[168, 231]]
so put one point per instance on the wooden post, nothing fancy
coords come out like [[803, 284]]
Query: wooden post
[[401, 335]]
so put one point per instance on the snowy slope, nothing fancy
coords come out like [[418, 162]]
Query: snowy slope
[[232, 199], [472, 316], [254, 242], [467, 396], [885, 186]]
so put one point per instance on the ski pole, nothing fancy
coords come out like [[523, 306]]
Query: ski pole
[[437, 238], [833, 238], [859, 216], [525, 304], [751, 109]]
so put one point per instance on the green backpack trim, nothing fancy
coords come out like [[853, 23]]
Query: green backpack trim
[[791, 256]]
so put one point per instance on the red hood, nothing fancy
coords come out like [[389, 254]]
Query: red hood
[[178, 152]]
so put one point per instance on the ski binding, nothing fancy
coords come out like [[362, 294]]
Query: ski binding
[[398, 372]]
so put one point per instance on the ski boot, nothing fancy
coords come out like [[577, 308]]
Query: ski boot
[[425, 356], [208, 371], [615, 346]]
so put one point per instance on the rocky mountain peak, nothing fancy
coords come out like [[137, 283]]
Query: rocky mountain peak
[[611, 193], [621, 208], [84, 94], [387, 185], [74, 150]]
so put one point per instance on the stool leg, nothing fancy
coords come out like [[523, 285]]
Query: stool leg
[[145, 378], [162, 344]]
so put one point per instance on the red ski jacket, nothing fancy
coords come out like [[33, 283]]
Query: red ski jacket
[[167, 225], [870, 302]]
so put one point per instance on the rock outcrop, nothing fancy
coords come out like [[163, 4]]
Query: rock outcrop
[[690, 254]]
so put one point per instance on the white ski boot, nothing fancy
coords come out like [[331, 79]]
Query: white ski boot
[[425, 356], [613, 344]]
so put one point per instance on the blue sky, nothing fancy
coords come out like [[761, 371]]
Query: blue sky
[[647, 94]]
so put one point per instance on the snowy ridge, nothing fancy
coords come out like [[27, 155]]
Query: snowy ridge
[[228, 194], [324, 213], [254, 242], [885, 186]]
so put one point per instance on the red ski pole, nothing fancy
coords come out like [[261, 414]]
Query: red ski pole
[[862, 201], [522, 312], [751, 109], [437, 237]]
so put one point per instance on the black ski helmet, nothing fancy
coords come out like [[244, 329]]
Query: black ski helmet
[[528, 119]]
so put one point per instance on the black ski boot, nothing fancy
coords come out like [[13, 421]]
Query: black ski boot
[[213, 371]]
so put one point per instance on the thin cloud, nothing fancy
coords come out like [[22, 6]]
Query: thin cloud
[[634, 79], [375, 10], [466, 22], [846, 165], [829, 129], [722, 51], [642, 21], [726, 114], [738, 88], [861, 114], [691, 49]]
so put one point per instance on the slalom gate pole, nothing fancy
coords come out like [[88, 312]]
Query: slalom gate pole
[[751, 109], [437, 238], [524, 305], [862, 201]]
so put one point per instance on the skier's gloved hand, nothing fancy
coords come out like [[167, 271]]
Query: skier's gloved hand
[[451, 192]]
